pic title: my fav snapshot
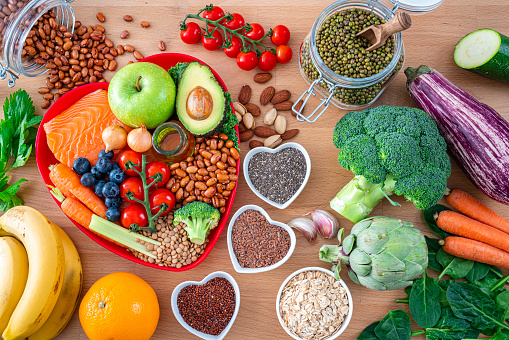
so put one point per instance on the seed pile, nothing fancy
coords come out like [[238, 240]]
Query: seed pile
[[278, 176], [256, 242], [207, 308]]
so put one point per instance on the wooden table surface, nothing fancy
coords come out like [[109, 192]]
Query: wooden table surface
[[430, 41]]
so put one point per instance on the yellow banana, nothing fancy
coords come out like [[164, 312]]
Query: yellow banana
[[68, 298], [46, 258], [13, 276]]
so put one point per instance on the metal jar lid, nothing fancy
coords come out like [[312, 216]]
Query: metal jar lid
[[417, 6]]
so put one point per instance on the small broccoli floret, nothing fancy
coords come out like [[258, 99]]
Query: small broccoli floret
[[199, 218], [424, 189]]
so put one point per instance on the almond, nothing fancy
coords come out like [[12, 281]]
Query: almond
[[262, 77], [297, 107], [242, 127], [272, 141], [264, 131], [253, 108], [289, 134], [255, 144], [284, 106], [280, 97], [267, 95], [245, 94], [246, 135]]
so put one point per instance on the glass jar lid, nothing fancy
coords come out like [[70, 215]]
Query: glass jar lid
[[417, 6]]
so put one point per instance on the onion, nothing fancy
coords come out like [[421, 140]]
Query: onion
[[115, 137], [139, 139]]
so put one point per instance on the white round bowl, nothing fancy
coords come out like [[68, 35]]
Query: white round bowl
[[209, 277], [238, 268], [326, 271], [254, 151]]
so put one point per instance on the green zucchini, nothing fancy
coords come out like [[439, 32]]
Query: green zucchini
[[485, 52]]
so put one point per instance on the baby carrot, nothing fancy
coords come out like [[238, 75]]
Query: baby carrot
[[475, 251], [470, 206], [461, 225]]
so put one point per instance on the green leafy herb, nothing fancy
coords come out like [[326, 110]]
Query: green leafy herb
[[369, 332], [502, 334], [176, 72], [230, 122], [478, 271], [490, 286], [430, 220], [433, 248], [456, 267], [17, 142], [425, 301], [502, 300], [394, 326]]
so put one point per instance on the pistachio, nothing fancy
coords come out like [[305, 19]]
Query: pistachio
[[239, 108], [239, 116], [248, 120], [270, 117], [272, 141], [280, 124]]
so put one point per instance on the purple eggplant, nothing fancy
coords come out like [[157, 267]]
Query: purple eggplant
[[476, 134]]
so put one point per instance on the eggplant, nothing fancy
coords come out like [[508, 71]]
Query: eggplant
[[476, 134]]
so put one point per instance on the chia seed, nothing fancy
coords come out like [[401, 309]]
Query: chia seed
[[278, 176]]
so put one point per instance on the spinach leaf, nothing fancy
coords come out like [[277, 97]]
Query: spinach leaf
[[394, 326], [472, 304], [495, 272], [447, 334], [433, 248], [478, 272], [502, 300], [369, 332], [443, 298], [486, 285], [425, 301], [449, 320], [407, 299], [456, 267], [501, 335], [430, 220]]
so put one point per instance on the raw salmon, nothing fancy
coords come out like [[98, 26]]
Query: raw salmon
[[77, 132]]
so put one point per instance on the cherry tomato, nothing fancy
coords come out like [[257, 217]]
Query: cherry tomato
[[216, 13], [213, 43], [236, 22], [280, 35], [256, 32], [234, 49], [135, 213], [132, 156], [247, 60], [267, 61], [134, 185], [157, 167], [283, 54], [192, 33], [160, 196]]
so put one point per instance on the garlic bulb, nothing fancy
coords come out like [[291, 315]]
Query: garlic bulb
[[115, 137], [305, 226], [140, 139], [326, 223]]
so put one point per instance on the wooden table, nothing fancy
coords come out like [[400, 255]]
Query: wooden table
[[430, 41]]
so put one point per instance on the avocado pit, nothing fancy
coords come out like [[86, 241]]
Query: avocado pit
[[199, 103]]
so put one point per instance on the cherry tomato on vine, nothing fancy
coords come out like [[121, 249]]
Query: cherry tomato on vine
[[236, 22], [216, 13], [213, 43], [267, 61], [135, 213], [160, 196], [234, 49], [280, 35], [247, 60], [192, 33], [134, 185], [283, 54], [132, 156], [256, 33], [157, 167]]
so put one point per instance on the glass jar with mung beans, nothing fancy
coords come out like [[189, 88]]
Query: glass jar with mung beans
[[334, 60]]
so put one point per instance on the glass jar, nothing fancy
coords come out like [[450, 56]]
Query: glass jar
[[172, 142], [17, 17], [344, 92]]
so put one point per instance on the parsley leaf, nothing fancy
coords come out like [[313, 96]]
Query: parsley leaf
[[176, 72]]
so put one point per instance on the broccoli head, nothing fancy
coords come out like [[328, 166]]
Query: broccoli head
[[199, 218], [400, 145]]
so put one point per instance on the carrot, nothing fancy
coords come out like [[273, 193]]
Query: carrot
[[461, 225], [66, 180], [475, 251], [470, 206]]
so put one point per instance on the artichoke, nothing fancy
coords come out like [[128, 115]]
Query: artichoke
[[382, 253]]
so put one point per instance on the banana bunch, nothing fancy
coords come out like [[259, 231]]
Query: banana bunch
[[40, 276]]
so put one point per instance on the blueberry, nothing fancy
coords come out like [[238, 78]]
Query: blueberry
[[113, 214], [99, 188], [88, 180], [116, 176], [104, 165], [111, 189], [113, 202], [108, 155], [114, 165], [97, 174], [81, 166]]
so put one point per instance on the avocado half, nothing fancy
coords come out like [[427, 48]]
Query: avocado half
[[201, 104]]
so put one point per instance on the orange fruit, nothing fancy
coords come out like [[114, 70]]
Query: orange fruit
[[119, 306]]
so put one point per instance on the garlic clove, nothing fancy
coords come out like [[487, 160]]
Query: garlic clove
[[326, 223], [305, 226]]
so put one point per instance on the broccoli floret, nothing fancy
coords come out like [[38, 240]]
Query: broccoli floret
[[199, 218], [390, 150]]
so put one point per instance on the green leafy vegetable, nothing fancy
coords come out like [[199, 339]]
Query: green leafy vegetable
[[433, 248], [230, 122], [425, 301], [369, 332], [176, 72], [456, 267], [394, 326], [502, 300], [478, 271], [430, 220], [490, 286], [502, 334]]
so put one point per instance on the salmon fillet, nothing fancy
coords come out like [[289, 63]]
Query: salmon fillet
[[77, 132]]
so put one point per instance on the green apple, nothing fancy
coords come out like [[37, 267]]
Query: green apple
[[142, 93]]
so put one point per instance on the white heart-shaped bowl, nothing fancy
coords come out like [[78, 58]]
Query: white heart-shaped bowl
[[238, 268], [209, 277], [254, 151], [349, 295]]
